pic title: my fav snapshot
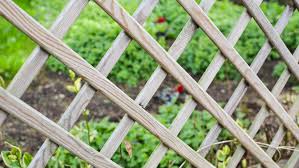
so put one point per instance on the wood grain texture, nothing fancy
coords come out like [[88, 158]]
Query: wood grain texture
[[161, 56], [207, 79], [272, 36], [71, 59], [38, 57], [86, 93], [261, 116], [152, 85], [35, 119], [227, 49], [242, 87]]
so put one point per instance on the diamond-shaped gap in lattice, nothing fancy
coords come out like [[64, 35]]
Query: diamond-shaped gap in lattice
[[136, 147], [90, 36], [225, 19]]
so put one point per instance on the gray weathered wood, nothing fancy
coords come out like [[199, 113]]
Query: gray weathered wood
[[261, 116], [37, 59], [226, 48], [207, 79], [71, 59], [242, 87], [35, 119], [272, 35], [153, 84], [82, 99]]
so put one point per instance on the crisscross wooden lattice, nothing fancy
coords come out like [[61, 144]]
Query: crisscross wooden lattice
[[96, 80]]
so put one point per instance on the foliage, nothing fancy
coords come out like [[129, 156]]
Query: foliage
[[278, 69], [2, 82], [139, 143], [95, 31], [16, 46], [15, 158]]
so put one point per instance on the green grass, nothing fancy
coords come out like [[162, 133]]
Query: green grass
[[16, 46]]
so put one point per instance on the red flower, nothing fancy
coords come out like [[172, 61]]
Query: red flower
[[179, 88], [161, 20]]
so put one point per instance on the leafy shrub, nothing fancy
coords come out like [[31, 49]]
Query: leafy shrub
[[141, 141], [94, 32], [16, 46]]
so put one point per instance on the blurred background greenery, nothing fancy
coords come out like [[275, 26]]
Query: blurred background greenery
[[94, 32]]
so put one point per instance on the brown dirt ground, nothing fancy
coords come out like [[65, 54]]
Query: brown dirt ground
[[48, 95]]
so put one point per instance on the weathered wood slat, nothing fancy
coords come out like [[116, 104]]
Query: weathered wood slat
[[153, 84], [86, 93], [272, 36], [226, 48], [119, 15], [97, 81], [35, 119], [261, 116], [71, 59], [207, 79], [241, 89], [37, 59]]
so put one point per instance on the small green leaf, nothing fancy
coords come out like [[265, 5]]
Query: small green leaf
[[26, 160], [221, 155], [15, 150], [77, 84], [2, 82], [226, 150], [72, 75], [244, 163], [9, 160], [86, 113], [71, 88]]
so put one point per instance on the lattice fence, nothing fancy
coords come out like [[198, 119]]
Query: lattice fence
[[50, 43]]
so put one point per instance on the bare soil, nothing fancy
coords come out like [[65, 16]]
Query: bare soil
[[48, 95]]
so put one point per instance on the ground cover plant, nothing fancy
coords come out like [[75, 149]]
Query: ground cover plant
[[93, 33], [139, 143]]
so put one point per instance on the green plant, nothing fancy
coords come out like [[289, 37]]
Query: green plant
[[15, 157], [2, 82], [139, 143], [75, 88], [223, 156], [278, 69], [15, 45], [95, 31]]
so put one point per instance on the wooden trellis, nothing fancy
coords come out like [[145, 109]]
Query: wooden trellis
[[50, 43]]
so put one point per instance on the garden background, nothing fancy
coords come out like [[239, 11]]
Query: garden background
[[92, 35]]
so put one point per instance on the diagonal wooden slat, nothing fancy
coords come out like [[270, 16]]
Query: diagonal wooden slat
[[37, 59], [35, 119], [206, 80], [97, 80], [293, 161], [226, 48], [71, 59], [150, 45], [272, 35], [262, 115], [133, 28], [153, 84], [242, 87], [86, 93]]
